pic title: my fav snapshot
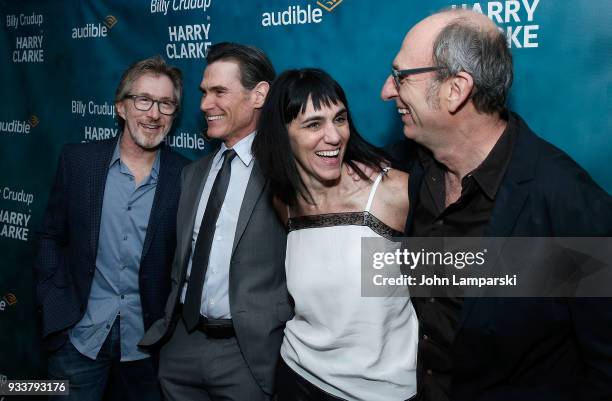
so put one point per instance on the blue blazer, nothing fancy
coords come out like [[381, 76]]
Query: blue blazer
[[68, 246], [533, 349]]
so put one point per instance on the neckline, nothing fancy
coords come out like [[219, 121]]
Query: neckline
[[363, 218]]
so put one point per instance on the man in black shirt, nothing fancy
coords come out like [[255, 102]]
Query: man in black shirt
[[478, 170]]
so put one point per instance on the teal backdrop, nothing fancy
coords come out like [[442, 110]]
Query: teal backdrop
[[61, 60]]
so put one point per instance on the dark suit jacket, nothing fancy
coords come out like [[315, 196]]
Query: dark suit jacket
[[533, 349], [69, 239], [259, 301]]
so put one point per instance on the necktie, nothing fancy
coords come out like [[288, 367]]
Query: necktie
[[199, 262]]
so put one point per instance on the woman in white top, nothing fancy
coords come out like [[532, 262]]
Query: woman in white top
[[339, 345]]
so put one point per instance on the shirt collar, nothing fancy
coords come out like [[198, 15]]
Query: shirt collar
[[242, 149], [155, 168], [116, 158], [490, 173]]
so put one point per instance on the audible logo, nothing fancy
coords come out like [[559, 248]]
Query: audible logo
[[294, 15], [186, 140], [16, 127], [34, 121], [329, 5], [110, 21], [9, 300], [90, 31], [99, 30]]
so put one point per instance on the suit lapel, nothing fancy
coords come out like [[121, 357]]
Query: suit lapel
[[512, 194], [192, 198], [253, 192], [511, 198], [100, 159], [188, 209], [168, 175], [514, 188]]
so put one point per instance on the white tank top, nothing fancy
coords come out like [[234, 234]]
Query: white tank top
[[350, 346]]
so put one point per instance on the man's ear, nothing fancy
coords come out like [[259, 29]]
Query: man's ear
[[460, 88], [120, 107], [259, 93]]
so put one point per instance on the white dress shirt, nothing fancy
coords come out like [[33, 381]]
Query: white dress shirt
[[215, 294]]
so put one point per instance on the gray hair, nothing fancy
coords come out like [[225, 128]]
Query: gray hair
[[482, 53], [156, 66]]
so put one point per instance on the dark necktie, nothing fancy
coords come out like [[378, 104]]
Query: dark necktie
[[199, 262]]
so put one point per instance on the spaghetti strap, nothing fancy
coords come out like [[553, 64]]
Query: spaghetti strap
[[374, 187]]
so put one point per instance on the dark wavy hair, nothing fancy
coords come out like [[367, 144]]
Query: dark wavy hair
[[255, 66], [287, 98]]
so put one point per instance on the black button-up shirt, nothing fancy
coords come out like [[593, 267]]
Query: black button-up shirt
[[468, 216]]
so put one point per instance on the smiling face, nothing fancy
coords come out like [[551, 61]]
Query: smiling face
[[416, 100], [147, 129], [231, 110], [318, 140]]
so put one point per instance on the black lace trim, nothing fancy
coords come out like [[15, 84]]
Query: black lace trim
[[343, 219]]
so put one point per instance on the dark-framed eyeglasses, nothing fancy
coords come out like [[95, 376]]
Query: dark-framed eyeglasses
[[144, 103], [398, 75]]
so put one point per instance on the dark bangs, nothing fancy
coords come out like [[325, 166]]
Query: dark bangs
[[287, 98], [310, 83]]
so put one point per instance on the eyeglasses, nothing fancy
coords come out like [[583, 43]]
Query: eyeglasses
[[144, 103], [398, 75]]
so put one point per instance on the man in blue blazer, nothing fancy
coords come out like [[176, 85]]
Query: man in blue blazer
[[108, 239], [478, 170]]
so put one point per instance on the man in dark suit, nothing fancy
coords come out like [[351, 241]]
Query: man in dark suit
[[229, 303], [478, 170], [108, 240]]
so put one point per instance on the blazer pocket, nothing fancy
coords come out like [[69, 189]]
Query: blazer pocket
[[284, 311]]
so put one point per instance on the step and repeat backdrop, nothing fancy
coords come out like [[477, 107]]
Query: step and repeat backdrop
[[60, 63]]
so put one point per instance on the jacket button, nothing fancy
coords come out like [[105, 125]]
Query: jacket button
[[429, 372]]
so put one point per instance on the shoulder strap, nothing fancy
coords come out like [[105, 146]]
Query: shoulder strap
[[374, 187]]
